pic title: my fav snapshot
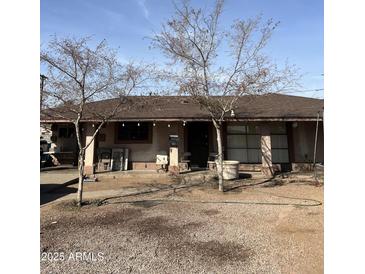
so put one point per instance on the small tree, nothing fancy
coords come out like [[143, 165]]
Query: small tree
[[79, 74], [193, 41]]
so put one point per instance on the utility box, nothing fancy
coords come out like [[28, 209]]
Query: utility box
[[173, 140]]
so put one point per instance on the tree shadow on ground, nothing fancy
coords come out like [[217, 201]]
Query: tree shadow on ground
[[51, 192], [244, 176], [239, 184]]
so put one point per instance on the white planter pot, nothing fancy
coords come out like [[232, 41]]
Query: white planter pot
[[230, 169]]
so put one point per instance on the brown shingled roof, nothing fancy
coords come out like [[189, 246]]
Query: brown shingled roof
[[264, 107]]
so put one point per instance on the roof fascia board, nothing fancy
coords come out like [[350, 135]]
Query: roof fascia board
[[284, 119]]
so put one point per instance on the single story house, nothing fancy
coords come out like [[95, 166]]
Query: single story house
[[148, 126]]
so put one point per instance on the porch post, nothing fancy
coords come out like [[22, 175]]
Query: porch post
[[174, 153], [174, 160], [89, 153], [290, 134], [267, 168]]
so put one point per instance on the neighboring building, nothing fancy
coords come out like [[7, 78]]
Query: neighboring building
[[285, 124], [45, 133]]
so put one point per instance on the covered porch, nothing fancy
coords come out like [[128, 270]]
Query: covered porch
[[152, 145], [266, 146]]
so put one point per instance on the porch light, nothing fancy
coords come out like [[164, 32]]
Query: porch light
[[154, 124], [93, 125], [168, 125], [232, 113], [123, 125], [138, 124], [184, 123]]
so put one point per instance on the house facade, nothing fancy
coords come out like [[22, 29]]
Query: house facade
[[271, 132]]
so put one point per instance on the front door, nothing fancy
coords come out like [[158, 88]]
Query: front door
[[198, 143]]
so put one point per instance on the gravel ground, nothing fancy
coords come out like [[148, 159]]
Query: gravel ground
[[156, 234]]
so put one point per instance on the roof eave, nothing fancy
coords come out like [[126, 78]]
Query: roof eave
[[203, 119]]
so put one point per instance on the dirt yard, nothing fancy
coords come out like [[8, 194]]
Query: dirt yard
[[268, 228]]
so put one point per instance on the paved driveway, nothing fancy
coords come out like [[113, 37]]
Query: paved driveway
[[58, 176], [56, 180]]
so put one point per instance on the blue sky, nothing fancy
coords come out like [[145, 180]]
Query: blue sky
[[125, 24]]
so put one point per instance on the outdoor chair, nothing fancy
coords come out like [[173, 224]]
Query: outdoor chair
[[185, 161], [161, 162]]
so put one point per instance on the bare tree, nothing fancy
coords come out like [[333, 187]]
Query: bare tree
[[216, 66], [43, 78], [78, 75]]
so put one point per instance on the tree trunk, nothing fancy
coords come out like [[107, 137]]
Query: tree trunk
[[219, 160], [81, 178]]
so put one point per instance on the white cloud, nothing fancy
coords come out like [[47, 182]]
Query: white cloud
[[142, 4]]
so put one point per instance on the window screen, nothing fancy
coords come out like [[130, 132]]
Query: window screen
[[254, 141], [254, 155], [279, 141], [237, 154], [237, 141], [243, 143], [234, 129], [279, 149], [280, 156]]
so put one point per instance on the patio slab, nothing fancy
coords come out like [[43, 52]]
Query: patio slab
[[53, 179]]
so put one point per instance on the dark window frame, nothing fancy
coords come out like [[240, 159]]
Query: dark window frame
[[118, 126]]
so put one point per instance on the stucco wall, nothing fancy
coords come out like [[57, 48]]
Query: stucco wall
[[146, 152], [303, 134]]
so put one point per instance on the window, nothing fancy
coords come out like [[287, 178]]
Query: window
[[234, 129], [66, 132], [133, 132], [279, 149], [244, 143]]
